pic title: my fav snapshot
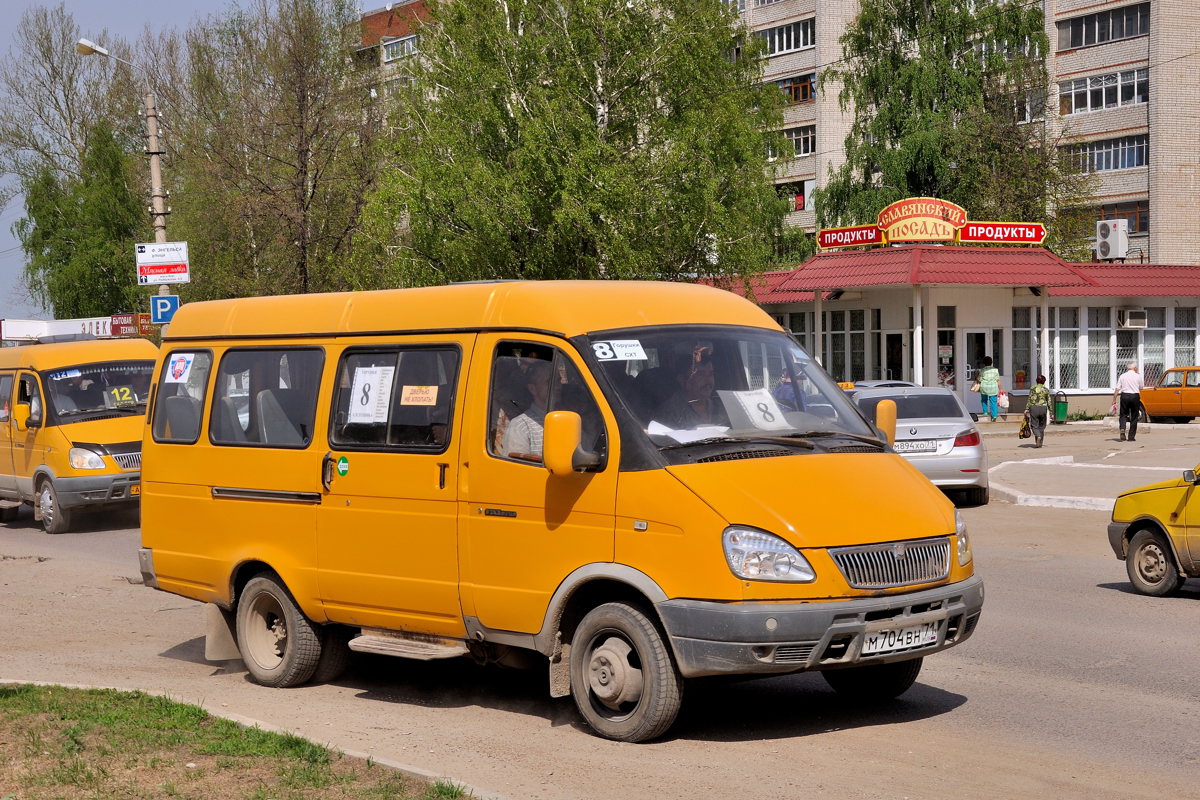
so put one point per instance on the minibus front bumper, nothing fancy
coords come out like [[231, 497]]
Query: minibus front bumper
[[769, 637], [98, 490]]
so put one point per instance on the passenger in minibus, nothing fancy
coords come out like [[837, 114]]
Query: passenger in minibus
[[523, 435]]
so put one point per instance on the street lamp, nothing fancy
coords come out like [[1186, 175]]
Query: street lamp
[[158, 198]]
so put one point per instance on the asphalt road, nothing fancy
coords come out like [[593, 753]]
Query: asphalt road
[[1072, 687]]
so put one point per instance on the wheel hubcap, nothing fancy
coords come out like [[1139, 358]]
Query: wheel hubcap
[[1152, 564], [613, 680], [268, 637], [46, 503]]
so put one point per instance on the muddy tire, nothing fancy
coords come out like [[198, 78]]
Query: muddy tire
[[335, 654], [279, 645], [1151, 566], [623, 676]]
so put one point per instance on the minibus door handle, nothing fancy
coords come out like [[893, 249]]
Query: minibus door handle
[[327, 471]]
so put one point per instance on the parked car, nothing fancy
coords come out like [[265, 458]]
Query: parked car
[[936, 433], [1148, 533], [1176, 397], [888, 383]]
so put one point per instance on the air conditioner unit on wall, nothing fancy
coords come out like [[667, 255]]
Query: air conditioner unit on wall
[[1112, 238], [1131, 317]]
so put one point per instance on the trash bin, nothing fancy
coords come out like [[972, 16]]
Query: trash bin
[[1060, 407]]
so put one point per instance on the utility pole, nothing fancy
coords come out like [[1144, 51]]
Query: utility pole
[[158, 196]]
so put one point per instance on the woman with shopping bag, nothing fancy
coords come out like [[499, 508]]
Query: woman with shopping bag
[[1038, 409], [989, 388]]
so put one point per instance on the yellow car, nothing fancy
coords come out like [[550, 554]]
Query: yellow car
[[1151, 532]]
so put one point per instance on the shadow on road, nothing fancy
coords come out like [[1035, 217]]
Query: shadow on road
[[714, 709]]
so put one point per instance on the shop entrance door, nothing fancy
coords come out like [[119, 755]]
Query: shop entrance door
[[976, 345]]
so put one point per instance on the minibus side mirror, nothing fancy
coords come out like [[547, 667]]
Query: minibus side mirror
[[1189, 476], [562, 450], [20, 416], [885, 419]]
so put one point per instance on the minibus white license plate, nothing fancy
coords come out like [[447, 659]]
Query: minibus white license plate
[[916, 446], [900, 638]]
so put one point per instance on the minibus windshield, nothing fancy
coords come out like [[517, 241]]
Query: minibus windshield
[[102, 388], [689, 386]]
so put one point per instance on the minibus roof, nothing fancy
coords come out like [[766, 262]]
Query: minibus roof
[[568, 308], [65, 354]]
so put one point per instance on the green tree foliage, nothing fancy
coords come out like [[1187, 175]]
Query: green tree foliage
[[272, 150], [78, 233], [938, 90], [580, 139]]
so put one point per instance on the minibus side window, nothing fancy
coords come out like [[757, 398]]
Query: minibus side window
[[179, 404], [266, 397], [527, 382], [400, 399], [28, 392], [6, 385]]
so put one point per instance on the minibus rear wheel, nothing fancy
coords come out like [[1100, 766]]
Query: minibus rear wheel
[[279, 645], [874, 682], [55, 518], [623, 676]]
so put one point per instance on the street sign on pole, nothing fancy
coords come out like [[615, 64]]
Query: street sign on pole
[[163, 308], [162, 262]]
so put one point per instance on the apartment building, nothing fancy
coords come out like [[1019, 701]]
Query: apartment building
[[1124, 96]]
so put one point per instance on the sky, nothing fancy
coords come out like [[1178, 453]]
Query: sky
[[125, 19]]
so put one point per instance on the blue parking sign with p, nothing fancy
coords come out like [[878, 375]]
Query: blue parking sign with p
[[163, 308]]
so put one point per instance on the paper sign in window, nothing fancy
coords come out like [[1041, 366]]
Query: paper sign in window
[[179, 366], [370, 395], [619, 350], [418, 396]]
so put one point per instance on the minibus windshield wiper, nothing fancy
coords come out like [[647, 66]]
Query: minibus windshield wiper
[[856, 436], [795, 439]]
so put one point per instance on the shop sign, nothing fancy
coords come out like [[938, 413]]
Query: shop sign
[[1003, 232], [849, 237], [922, 219], [130, 325]]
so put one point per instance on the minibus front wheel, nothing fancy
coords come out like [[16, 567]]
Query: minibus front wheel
[[623, 676], [55, 518], [279, 645]]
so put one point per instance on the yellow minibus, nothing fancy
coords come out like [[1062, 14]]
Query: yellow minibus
[[601, 476], [71, 416]]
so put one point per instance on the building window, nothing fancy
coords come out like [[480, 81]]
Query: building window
[[1185, 337], [799, 88], [1104, 26], [399, 48], [1030, 107], [803, 139], [761, 3], [1125, 152], [1025, 354], [1068, 348], [1099, 347], [1138, 214], [1129, 88], [797, 193], [789, 38]]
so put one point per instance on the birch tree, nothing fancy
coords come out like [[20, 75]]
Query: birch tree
[[579, 139]]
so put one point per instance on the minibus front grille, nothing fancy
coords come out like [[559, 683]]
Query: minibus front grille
[[740, 454], [894, 564], [128, 460]]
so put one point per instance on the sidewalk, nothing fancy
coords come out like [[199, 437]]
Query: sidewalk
[[1083, 464]]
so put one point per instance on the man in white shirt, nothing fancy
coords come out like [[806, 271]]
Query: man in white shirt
[[523, 436], [1128, 393]]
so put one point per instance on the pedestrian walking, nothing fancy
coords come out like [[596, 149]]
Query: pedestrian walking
[[989, 388], [1127, 397], [1038, 408]]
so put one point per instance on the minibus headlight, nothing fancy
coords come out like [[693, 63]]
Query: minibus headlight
[[760, 556], [82, 458], [964, 541]]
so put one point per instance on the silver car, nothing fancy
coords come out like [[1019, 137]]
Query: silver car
[[936, 433]]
